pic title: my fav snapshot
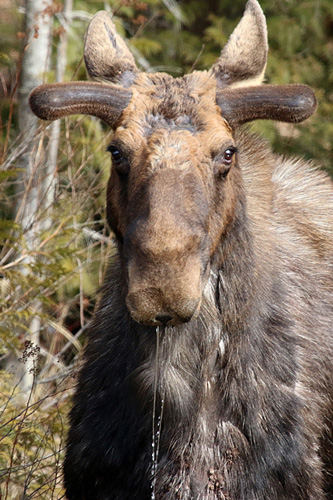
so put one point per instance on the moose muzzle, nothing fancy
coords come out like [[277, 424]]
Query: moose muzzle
[[166, 252]]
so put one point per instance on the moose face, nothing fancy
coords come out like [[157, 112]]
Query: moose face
[[170, 194], [175, 183]]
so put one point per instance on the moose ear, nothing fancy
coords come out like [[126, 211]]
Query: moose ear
[[243, 59], [106, 54]]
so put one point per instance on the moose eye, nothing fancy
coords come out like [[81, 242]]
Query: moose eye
[[119, 160], [228, 155], [223, 162], [116, 154]]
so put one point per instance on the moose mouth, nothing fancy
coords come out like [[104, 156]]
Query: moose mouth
[[162, 316]]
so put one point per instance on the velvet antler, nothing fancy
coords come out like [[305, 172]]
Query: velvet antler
[[287, 103], [54, 101]]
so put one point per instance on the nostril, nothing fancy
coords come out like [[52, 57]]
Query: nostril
[[163, 318]]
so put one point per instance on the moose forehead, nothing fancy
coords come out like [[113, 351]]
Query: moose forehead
[[179, 108]]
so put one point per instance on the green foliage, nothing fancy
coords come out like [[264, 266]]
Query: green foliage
[[31, 443], [215, 33], [147, 47]]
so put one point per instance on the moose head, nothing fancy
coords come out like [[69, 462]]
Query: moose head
[[176, 186]]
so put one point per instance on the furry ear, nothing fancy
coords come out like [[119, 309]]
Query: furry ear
[[106, 54], [243, 59]]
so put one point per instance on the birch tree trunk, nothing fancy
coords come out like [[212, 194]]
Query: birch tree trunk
[[60, 72], [32, 188]]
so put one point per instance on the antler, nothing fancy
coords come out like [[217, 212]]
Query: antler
[[54, 101], [287, 103]]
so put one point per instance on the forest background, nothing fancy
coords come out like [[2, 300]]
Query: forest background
[[54, 243]]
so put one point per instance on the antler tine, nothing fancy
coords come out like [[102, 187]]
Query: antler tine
[[287, 103], [54, 101]]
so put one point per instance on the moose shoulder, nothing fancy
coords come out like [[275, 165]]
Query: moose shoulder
[[208, 372]]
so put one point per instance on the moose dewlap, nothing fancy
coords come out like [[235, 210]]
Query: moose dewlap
[[208, 373]]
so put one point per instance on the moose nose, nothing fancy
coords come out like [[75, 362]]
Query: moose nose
[[163, 319], [148, 306]]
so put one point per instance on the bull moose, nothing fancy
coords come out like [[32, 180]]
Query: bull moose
[[208, 370]]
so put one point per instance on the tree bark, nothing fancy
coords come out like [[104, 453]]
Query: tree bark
[[60, 72], [32, 188]]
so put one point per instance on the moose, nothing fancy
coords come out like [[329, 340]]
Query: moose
[[208, 370]]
